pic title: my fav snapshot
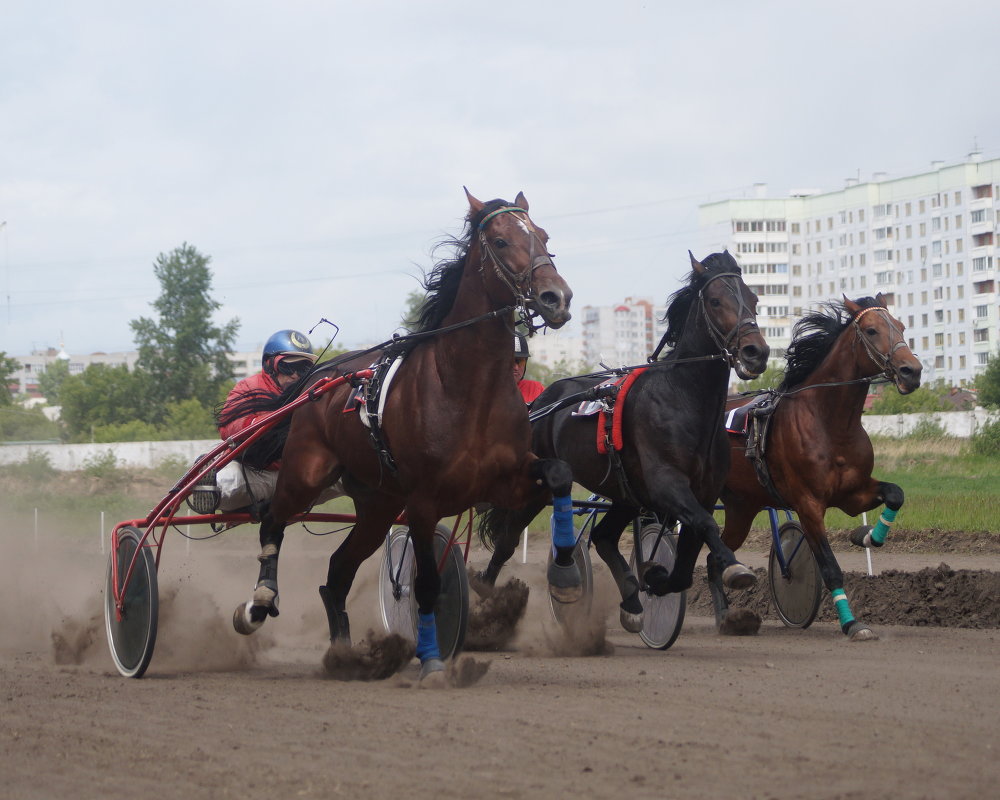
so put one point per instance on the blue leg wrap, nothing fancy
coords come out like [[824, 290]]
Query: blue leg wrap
[[883, 525], [563, 534], [427, 641], [843, 607]]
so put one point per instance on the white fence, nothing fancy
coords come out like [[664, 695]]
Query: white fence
[[148, 454], [127, 454]]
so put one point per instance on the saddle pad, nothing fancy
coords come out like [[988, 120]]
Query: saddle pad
[[738, 420], [360, 400], [618, 409]]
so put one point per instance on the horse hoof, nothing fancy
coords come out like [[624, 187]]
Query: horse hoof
[[479, 584], [243, 622], [631, 622], [565, 584], [432, 674], [738, 576], [859, 632], [739, 622], [861, 537]]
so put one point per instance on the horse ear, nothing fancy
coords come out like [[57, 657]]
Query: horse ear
[[474, 204], [521, 201], [880, 300], [696, 265], [852, 307]]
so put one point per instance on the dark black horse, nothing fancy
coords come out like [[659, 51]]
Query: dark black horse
[[674, 457]]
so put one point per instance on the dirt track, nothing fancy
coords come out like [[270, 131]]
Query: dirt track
[[783, 714]]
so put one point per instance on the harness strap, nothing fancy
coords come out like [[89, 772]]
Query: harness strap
[[609, 428]]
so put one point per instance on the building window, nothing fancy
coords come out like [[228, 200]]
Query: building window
[[979, 192], [982, 312]]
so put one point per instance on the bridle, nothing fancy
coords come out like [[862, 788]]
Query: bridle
[[519, 283], [881, 360], [728, 343]]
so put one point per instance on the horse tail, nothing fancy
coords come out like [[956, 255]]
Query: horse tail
[[494, 523], [268, 447]]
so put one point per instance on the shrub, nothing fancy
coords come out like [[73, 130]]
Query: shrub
[[927, 427], [103, 465], [36, 467], [986, 440]]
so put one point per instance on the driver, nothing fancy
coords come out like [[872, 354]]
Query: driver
[[287, 356], [529, 389]]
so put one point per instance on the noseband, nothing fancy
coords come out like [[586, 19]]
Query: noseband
[[883, 360], [519, 283], [745, 322]]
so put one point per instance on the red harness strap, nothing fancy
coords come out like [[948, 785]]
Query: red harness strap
[[623, 384]]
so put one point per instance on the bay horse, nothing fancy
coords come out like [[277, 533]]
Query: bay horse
[[817, 454], [453, 432], [673, 458]]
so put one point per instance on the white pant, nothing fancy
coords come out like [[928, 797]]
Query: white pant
[[259, 485]]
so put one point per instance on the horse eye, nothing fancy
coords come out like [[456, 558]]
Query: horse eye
[[714, 302], [872, 332], [500, 244]]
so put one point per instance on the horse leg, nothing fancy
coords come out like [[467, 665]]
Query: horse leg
[[426, 588], [874, 536], [737, 526], [367, 535], [605, 536], [833, 576], [504, 531], [565, 582], [263, 603]]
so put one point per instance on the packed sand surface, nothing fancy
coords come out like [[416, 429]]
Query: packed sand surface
[[783, 714]]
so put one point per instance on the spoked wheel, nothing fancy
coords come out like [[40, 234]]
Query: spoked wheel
[[797, 598], [569, 615], [662, 617], [398, 603], [131, 638]]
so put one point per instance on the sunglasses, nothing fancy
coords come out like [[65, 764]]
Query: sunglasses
[[293, 367]]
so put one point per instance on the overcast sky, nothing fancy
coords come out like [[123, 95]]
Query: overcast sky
[[316, 151]]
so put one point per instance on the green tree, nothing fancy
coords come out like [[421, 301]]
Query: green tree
[[50, 381], [182, 348], [412, 308], [19, 424], [926, 398], [8, 366], [105, 395], [768, 379], [988, 383]]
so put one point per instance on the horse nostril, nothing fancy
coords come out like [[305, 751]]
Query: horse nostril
[[905, 372], [551, 299], [750, 352]]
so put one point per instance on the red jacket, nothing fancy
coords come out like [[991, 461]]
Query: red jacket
[[530, 389], [255, 383]]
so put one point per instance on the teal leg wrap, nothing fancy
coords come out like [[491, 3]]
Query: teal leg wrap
[[563, 534], [843, 607], [885, 521], [427, 642]]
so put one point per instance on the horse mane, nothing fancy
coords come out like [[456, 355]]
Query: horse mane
[[813, 337], [442, 282], [679, 304]]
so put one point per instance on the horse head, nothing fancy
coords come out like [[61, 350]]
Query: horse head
[[881, 335], [729, 309], [515, 261]]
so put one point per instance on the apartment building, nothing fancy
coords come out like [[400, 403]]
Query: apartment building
[[623, 333], [926, 241]]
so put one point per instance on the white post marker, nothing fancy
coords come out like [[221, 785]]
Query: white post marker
[[102, 533], [524, 551], [868, 550]]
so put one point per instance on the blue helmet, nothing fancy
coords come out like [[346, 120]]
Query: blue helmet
[[287, 343]]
